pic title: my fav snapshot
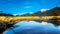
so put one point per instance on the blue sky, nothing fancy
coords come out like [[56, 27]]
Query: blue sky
[[25, 6]]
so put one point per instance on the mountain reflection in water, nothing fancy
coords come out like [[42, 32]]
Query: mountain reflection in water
[[32, 27]]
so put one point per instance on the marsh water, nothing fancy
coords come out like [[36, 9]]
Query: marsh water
[[32, 27]]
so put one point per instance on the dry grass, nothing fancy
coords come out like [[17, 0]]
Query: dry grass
[[22, 18]]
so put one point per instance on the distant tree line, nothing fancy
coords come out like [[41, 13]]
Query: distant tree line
[[4, 14]]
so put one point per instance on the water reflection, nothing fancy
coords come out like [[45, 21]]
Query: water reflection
[[32, 27]]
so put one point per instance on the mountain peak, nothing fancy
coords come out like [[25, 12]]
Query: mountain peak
[[44, 10], [58, 7]]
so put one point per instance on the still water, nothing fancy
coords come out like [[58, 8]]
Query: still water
[[32, 27]]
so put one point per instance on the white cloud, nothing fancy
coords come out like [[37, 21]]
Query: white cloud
[[14, 14], [28, 7], [19, 13], [43, 10], [31, 12]]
